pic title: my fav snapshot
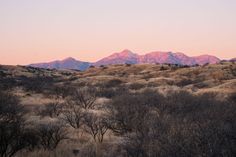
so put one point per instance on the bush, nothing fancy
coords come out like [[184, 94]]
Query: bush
[[136, 86], [85, 97], [13, 135], [7, 83], [50, 135], [96, 126], [113, 83], [53, 109], [162, 68], [110, 92], [179, 124], [36, 84], [128, 110], [184, 82]]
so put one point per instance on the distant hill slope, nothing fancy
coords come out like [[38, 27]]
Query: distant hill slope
[[68, 63], [128, 57]]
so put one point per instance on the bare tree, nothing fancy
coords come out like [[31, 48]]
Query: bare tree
[[12, 126], [51, 135], [73, 115], [127, 111], [53, 109], [96, 126], [85, 97]]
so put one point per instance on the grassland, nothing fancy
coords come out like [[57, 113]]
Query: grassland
[[136, 110]]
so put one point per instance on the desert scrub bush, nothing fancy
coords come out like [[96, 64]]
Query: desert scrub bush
[[110, 92], [184, 82], [163, 68], [136, 86], [73, 115], [218, 76], [61, 91], [53, 109], [103, 67], [7, 83], [201, 85], [128, 110], [113, 83], [36, 84], [13, 135], [147, 76], [232, 97], [96, 126], [233, 70], [84, 97], [51, 134], [179, 124], [2, 74], [88, 150], [72, 78]]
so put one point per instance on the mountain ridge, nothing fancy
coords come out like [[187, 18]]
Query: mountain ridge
[[128, 57]]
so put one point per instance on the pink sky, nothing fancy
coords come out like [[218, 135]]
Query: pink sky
[[38, 31]]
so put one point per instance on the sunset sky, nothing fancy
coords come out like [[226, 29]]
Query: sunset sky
[[44, 30]]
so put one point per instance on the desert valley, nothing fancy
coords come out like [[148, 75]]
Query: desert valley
[[126, 110]]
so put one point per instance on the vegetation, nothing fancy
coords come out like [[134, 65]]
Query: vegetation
[[175, 111]]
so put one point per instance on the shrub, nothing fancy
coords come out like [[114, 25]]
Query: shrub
[[53, 109], [96, 126], [136, 86], [50, 135], [162, 68], [7, 83], [36, 84], [184, 82], [110, 92], [73, 115], [180, 124], [113, 83], [13, 136], [85, 97]]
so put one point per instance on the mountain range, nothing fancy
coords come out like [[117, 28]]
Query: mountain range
[[128, 57]]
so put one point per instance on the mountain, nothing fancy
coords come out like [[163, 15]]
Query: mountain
[[68, 63], [204, 59], [167, 57], [128, 57]]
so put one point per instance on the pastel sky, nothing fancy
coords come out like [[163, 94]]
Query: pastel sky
[[44, 30]]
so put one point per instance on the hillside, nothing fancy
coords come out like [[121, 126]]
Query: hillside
[[194, 79], [106, 110]]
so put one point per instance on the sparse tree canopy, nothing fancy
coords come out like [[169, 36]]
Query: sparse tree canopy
[[85, 97], [96, 126], [73, 115], [50, 135]]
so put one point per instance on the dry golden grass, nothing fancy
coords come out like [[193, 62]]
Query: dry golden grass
[[219, 78]]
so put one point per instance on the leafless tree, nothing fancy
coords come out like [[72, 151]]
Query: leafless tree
[[13, 136], [51, 135], [127, 111], [85, 97], [53, 109], [73, 115], [96, 126]]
